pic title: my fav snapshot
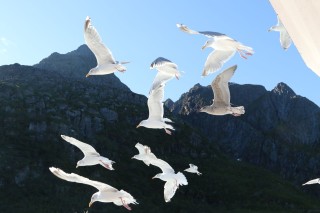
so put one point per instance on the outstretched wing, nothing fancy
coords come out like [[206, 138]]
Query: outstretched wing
[[95, 44], [314, 181], [170, 188], [285, 39], [155, 104], [79, 179], [162, 62], [215, 61], [209, 34], [220, 87], [84, 147], [193, 166], [160, 80], [164, 166]]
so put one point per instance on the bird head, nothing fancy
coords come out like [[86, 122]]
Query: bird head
[[79, 163], [207, 44], [203, 109], [142, 123], [94, 198], [156, 176]]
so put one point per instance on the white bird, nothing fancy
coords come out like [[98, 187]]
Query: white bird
[[106, 193], [224, 48], [193, 169], [145, 154], [314, 181], [106, 64], [155, 105], [173, 180], [285, 39], [91, 156], [166, 66], [221, 102]]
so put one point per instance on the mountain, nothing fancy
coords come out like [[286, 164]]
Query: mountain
[[41, 102], [279, 131]]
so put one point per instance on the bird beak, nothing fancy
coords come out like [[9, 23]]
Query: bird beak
[[138, 126], [77, 166], [87, 75], [90, 203], [203, 47]]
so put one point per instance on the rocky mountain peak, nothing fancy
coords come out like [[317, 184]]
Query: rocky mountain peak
[[283, 89], [76, 64]]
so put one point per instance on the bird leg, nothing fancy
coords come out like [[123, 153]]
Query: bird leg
[[167, 131], [177, 77], [240, 53], [105, 165], [124, 204]]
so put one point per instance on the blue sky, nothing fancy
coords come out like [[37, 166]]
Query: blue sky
[[140, 31]]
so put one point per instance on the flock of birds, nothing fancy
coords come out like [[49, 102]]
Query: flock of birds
[[224, 48]]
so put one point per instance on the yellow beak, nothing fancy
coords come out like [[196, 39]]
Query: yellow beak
[[87, 75], [203, 47], [138, 126], [90, 203]]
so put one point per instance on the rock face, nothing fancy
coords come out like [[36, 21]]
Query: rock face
[[275, 132]]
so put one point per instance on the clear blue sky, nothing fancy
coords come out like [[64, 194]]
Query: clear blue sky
[[140, 31]]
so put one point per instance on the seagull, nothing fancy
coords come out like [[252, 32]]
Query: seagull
[[173, 180], [145, 154], [166, 66], [221, 102], [106, 63], [106, 193], [193, 169], [91, 156], [285, 39], [224, 48], [314, 181], [155, 105]]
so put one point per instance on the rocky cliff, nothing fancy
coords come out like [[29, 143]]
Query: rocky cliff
[[280, 130], [40, 103]]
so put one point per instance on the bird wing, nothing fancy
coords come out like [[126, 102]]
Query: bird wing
[[314, 181], [162, 62], [210, 34], [186, 29], [79, 179], [95, 44], [193, 166], [220, 87], [155, 104], [215, 60], [160, 80], [170, 188], [164, 166], [84, 147], [285, 39], [141, 148]]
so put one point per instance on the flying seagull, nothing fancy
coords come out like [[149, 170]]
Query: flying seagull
[[193, 169], [173, 180], [224, 48], [314, 181], [145, 154], [221, 102], [285, 39], [91, 156], [106, 193], [106, 63], [155, 99]]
